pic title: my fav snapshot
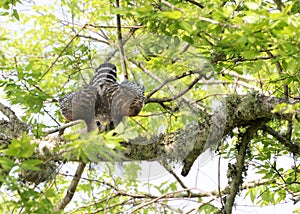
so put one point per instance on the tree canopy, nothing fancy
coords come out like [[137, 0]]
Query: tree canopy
[[220, 76]]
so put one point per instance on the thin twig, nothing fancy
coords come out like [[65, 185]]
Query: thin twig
[[239, 76], [173, 7], [177, 178], [280, 72], [166, 195], [170, 79], [93, 38], [216, 22], [195, 3], [48, 113], [131, 32], [219, 180], [106, 26], [140, 65], [119, 31], [175, 97], [60, 54], [67, 125]]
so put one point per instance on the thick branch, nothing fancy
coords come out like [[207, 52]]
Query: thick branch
[[11, 128], [239, 167], [188, 143], [240, 111]]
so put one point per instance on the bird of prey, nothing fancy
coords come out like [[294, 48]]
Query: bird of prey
[[104, 102]]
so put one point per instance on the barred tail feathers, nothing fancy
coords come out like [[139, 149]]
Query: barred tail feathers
[[106, 72]]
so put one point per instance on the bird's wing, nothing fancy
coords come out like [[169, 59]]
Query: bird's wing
[[128, 100], [65, 104], [83, 106]]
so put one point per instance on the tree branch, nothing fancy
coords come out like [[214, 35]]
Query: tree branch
[[195, 3], [279, 4], [131, 32], [239, 167], [294, 148], [119, 32], [107, 26], [175, 97], [94, 38], [170, 79], [60, 128], [72, 188], [189, 193], [280, 72], [240, 111], [13, 128], [185, 144], [60, 54]]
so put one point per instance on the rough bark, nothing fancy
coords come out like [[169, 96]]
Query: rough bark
[[184, 145], [237, 175]]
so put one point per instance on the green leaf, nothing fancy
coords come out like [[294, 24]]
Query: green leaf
[[249, 54], [251, 17], [188, 39], [31, 164], [173, 186], [22, 148], [253, 194], [15, 14], [172, 14], [280, 107], [4, 13], [186, 26], [6, 163]]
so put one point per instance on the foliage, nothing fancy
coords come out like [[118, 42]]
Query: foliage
[[9, 5], [53, 48]]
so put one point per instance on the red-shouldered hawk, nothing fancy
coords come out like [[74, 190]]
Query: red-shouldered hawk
[[104, 100]]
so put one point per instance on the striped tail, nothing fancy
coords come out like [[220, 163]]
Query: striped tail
[[106, 72]]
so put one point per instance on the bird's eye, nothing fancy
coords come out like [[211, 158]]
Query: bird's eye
[[98, 123], [111, 125]]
